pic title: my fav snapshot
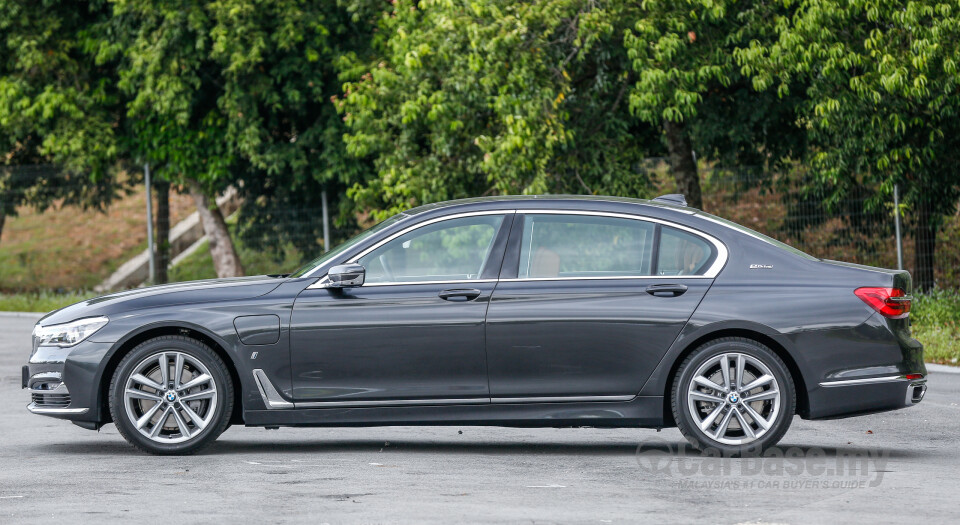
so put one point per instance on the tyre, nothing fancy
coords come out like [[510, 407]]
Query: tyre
[[733, 395], [171, 395]]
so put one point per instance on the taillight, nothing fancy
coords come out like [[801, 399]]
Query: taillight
[[890, 302]]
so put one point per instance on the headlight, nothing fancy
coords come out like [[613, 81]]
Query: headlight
[[68, 334]]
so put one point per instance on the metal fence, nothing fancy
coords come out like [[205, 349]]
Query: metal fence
[[65, 247]]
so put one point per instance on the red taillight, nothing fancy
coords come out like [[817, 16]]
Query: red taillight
[[890, 302], [914, 376]]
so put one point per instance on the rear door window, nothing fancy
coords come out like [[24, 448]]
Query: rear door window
[[683, 253], [570, 246]]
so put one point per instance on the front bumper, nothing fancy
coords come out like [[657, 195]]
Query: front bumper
[[62, 382]]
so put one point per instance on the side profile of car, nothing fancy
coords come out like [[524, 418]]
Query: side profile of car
[[545, 311]]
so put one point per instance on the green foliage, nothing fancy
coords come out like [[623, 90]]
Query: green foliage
[[470, 98], [935, 319], [881, 91], [59, 105], [199, 264], [684, 56], [237, 92]]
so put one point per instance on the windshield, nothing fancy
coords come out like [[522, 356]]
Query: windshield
[[306, 269]]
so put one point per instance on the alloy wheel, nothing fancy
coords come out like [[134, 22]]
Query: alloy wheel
[[734, 398], [170, 397]]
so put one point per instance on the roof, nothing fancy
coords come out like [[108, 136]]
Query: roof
[[541, 199]]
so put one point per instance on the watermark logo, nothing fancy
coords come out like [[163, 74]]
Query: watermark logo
[[782, 468]]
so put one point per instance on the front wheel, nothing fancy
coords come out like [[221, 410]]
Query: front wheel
[[171, 395], [734, 395]]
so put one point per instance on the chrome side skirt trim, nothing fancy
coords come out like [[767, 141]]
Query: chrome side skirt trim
[[268, 392], [865, 381], [32, 407], [273, 400], [393, 402], [560, 399]]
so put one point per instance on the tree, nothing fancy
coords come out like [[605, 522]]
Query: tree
[[689, 83], [59, 107], [237, 93], [471, 98], [882, 100]]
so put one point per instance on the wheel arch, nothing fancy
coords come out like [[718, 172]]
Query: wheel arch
[[133, 339], [803, 402]]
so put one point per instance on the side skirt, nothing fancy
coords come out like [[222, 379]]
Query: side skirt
[[641, 411]]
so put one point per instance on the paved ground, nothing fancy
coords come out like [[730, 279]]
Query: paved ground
[[53, 472]]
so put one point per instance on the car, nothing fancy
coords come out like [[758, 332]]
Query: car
[[525, 311]]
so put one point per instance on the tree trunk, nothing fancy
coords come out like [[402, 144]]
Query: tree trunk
[[3, 219], [225, 259], [682, 164], [162, 188], [926, 247]]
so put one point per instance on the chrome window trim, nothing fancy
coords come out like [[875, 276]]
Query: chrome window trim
[[608, 278], [322, 283], [864, 381], [711, 273]]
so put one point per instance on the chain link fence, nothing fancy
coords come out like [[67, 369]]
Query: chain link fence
[[51, 242]]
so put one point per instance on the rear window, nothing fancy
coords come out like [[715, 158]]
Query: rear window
[[683, 253]]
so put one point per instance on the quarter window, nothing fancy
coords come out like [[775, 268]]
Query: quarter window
[[451, 250], [585, 246], [683, 253]]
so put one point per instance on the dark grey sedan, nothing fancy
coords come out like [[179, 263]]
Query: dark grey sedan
[[545, 311]]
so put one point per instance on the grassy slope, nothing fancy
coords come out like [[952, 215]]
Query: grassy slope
[[71, 249], [199, 264], [935, 317]]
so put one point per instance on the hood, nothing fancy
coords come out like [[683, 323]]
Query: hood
[[210, 290]]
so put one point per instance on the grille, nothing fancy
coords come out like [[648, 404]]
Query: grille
[[49, 393], [51, 400]]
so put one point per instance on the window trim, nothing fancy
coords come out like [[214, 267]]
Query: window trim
[[322, 283], [711, 273]]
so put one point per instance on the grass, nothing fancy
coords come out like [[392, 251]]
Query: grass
[[935, 320], [935, 317], [73, 249], [40, 301], [199, 264]]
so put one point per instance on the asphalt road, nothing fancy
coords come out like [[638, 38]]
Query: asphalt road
[[898, 467]]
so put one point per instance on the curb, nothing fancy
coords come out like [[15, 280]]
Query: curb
[[943, 369], [26, 315]]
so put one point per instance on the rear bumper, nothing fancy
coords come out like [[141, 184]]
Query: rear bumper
[[845, 398]]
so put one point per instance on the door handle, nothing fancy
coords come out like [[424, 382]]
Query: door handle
[[460, 294], [666, 290]]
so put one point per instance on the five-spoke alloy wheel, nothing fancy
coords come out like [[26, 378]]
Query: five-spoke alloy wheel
[[171, 395], [734, 395]]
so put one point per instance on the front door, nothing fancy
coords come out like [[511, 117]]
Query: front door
[[414, 332], [588, 304]]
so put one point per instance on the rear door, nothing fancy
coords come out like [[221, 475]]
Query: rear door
[[589, 302]]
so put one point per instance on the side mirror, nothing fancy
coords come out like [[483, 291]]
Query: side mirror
[[346, 276]]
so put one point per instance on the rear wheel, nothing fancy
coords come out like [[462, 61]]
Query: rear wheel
[[734, 395], [171, 395]]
